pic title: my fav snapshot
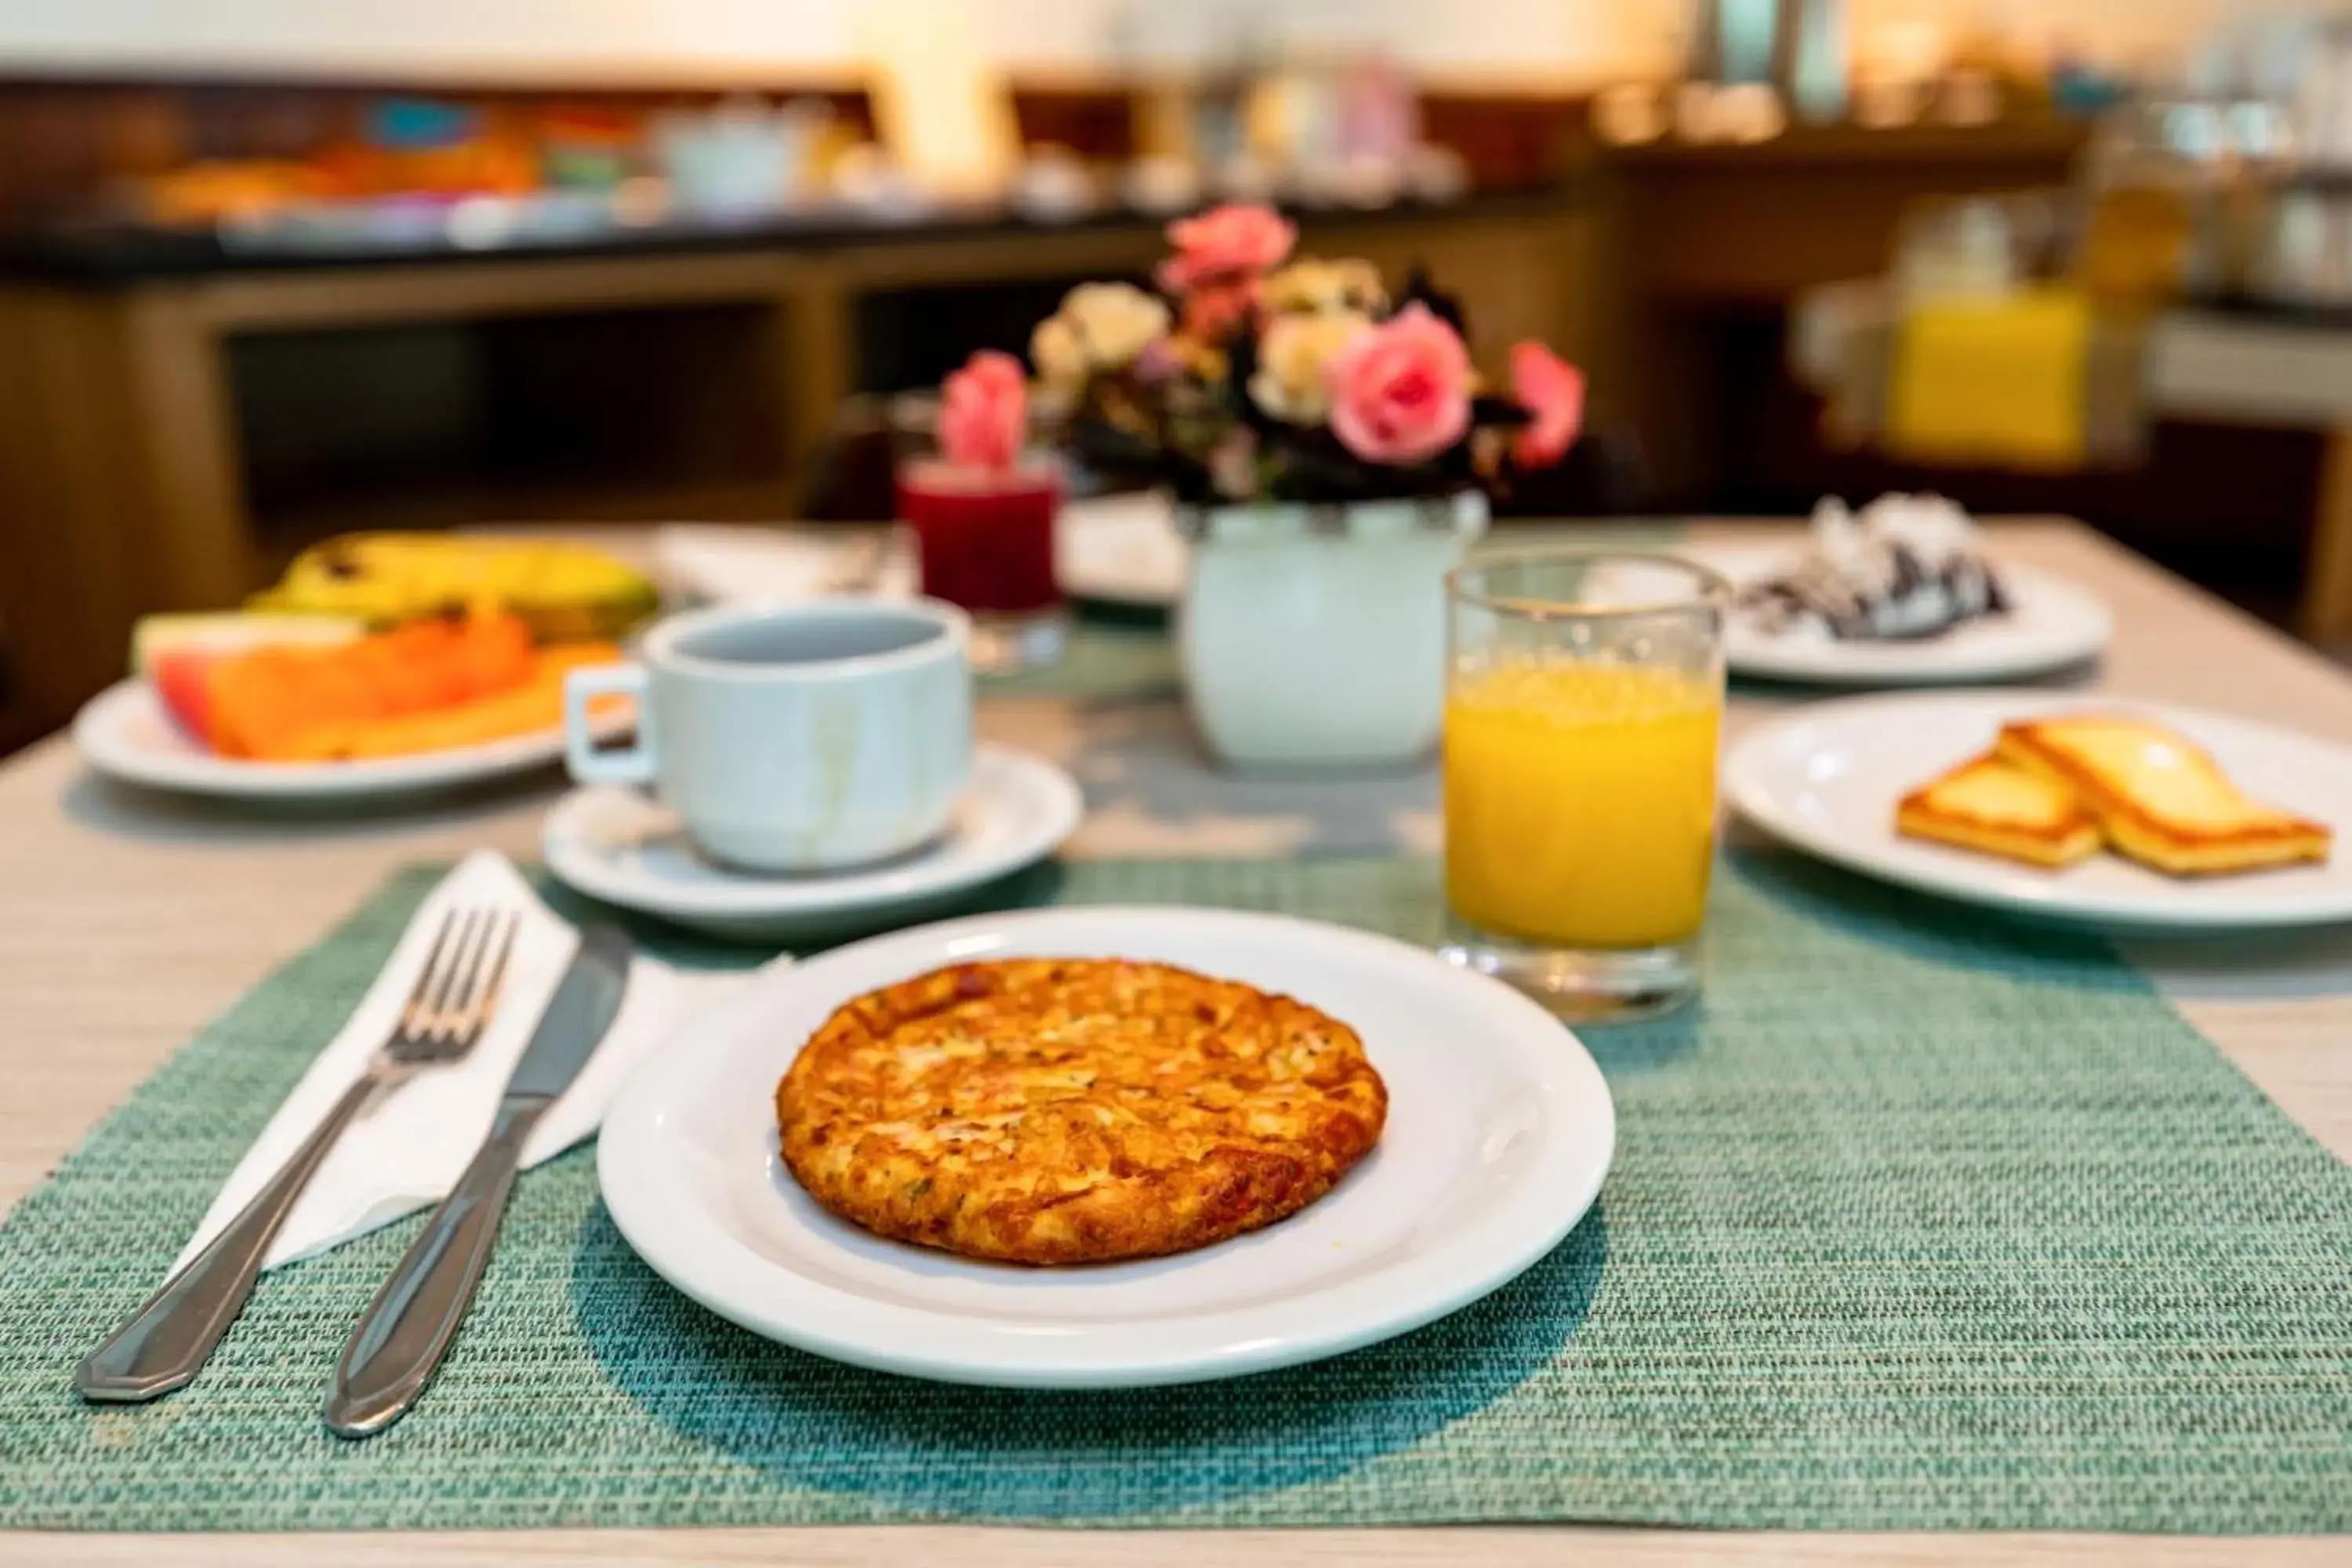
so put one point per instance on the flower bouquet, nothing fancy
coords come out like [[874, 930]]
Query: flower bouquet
[[1252, 377], [1330, 450]]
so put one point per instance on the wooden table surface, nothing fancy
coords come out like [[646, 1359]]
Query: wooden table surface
[[127, 920]]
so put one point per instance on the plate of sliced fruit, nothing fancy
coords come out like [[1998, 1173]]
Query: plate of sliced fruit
[[383, 665]]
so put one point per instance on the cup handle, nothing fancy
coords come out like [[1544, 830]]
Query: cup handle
[[589, 763]]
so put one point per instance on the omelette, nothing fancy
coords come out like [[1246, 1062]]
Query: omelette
[[1053, 1111]]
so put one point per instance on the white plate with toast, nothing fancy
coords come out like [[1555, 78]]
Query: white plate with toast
[[1499, 1132], [2049, 624], [1831, 779]]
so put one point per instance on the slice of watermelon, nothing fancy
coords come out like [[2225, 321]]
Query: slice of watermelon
[[233, 631], [181, 679], [176, 654]]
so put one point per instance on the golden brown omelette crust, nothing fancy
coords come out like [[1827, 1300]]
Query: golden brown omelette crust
[[1074, 1111]]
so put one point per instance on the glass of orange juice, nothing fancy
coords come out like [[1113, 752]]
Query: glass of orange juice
[[1583, 709]]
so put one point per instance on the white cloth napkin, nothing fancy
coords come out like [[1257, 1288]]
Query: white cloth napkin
[[722, 564], [407, 1149]]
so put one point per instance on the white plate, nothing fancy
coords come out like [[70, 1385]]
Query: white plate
[[1118, 550], [2050, 623], [1827, 779], [1500, 1129], [617, 844], [735, 562], [1122, 550], [125, 733]]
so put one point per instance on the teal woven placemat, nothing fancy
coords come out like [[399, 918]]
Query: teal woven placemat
[[1918, 1222]]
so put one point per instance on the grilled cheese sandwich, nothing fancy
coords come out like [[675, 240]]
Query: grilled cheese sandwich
[[1998, 808], [2159, 798]]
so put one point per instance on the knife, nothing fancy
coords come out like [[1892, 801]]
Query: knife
[[400, 1340]]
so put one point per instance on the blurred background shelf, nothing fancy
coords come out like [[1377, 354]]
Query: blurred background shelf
[[178, 434]]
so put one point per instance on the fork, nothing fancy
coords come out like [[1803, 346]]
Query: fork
[[166, 1343]]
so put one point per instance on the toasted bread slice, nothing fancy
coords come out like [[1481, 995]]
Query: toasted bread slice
[[2161, 798], [1998, 808]]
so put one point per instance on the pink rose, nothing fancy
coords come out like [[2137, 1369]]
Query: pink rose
[[1400, 390], [1239, 240], [1552, 390], [984, 411], [1214, 310]]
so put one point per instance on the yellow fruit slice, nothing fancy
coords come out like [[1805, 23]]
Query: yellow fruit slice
[[530, 708]]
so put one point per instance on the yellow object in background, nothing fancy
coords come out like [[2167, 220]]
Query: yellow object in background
[[941, 103], [1580, 802], [1999, 380]]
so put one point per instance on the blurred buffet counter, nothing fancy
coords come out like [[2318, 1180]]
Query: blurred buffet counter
[[183, 409], [2027, 377]]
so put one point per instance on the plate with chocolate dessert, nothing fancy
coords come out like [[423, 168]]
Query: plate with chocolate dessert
[[1902, 593]]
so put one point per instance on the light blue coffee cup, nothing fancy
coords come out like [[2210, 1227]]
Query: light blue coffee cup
[[794, 738]]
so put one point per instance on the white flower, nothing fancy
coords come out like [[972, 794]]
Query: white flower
[[1289, 382], [1056, 349], [1308, 287], [1099, 330]]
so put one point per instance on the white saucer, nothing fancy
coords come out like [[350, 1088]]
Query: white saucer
[[619, 846], [124, 733], [1500, 1129], [1827, 779], [2050, 623]]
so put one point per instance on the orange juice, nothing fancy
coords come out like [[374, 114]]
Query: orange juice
[[1579, 802]]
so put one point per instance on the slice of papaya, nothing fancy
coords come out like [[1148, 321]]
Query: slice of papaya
[[531, 708], [273, 703]]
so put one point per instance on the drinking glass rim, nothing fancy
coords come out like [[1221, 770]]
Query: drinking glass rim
[[1711, 590], [1033, 470]]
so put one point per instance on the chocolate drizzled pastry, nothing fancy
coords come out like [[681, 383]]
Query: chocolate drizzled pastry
[[1908, 568]]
